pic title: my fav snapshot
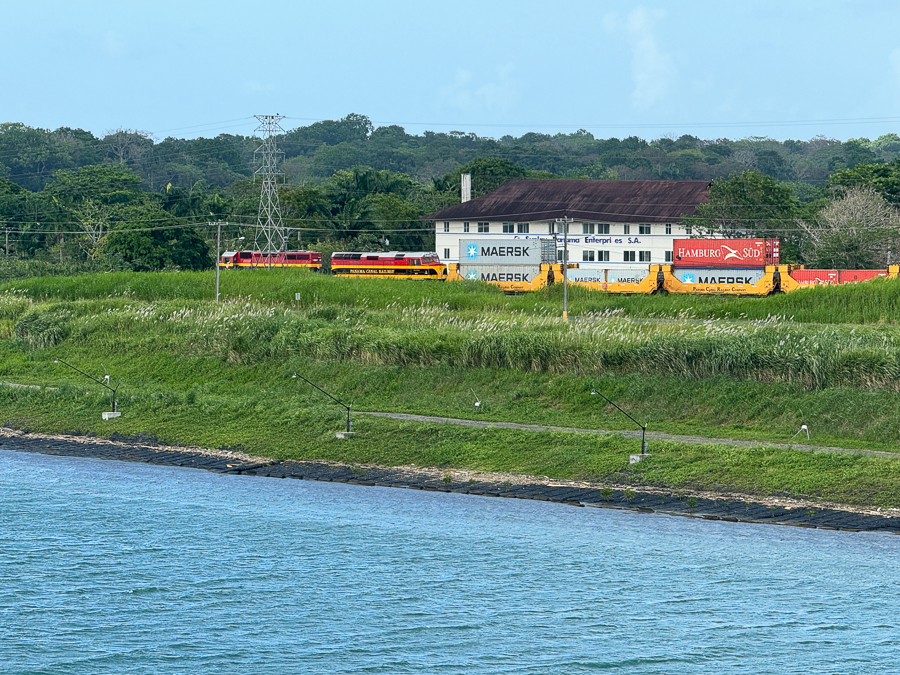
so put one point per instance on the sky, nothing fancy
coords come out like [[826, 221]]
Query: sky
[[616, 68]]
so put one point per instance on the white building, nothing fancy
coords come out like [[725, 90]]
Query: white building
[[614, 225]]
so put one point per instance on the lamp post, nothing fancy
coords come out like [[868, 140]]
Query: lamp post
[[341, 403], [643, 427], [104, 383], [564, 224]]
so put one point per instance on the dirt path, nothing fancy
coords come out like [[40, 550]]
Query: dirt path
[[651, 435]]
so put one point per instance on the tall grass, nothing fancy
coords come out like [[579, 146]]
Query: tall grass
[[250, 331], [872, 302]]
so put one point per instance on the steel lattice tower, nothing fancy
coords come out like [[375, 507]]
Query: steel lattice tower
[[271, 236]]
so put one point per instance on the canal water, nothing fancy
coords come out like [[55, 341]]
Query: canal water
[[110, 567]]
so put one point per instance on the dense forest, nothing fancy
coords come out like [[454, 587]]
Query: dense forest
[[126, 201]]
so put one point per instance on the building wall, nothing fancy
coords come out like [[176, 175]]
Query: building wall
[[595, 240]]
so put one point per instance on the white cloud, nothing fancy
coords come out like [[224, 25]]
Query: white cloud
[[652, 70], [466, 93]]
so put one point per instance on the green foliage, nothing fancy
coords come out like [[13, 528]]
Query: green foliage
[[145, 246], [751, 204]]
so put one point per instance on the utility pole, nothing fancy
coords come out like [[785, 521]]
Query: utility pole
[[218, 224], [271, 238], [563, 223]]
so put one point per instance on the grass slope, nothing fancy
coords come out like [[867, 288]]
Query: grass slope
[[194, 372]]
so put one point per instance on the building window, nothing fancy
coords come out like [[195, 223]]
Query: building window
[[626, 229], [446, 226], [602, 228], [552, 227], [484, 227], [587, 256], [587, 228], [668, 256], [507, 228], [668, 228], [522, 228], [446, 253], [559, 255], [644, 256], [687, 230], [628, 256], [643, 229], [465, 227], [603, 256]]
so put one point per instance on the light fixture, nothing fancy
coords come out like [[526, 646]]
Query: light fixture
[[643, 427], [341, 403], [105, 382]]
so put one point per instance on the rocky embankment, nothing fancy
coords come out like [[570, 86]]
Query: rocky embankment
[[736, 508]]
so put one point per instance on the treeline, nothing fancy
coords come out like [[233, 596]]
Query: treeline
[[29, 156], [126, 201]]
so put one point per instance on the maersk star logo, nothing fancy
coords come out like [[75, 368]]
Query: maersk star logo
[[688, 279], [472, 275], [472, 251]]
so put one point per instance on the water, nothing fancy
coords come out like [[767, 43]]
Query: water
[[108, 567]]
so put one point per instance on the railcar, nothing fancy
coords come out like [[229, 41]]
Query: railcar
[[389, 265], [249, 259]]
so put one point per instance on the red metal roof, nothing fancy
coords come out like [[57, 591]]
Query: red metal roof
[[623, 201]]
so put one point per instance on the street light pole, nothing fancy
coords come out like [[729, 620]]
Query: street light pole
[[218, 254], [564, 223], [341, 403], [103, 383], [643, 427]]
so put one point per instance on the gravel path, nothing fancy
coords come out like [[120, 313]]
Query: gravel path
[[651, 435]]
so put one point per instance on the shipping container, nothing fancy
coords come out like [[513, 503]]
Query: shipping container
[[853, 276], [614, 276], [725, 252], [500, 273], [815, 277], [505, 251], [715, 275]]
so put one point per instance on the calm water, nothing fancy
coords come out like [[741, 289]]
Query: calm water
[[108, 567]]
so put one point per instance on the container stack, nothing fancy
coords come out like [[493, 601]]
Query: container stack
[[498, 260], [723, 261]]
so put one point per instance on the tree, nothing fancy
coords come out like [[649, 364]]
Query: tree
[[750, 204], [859, 230], [127, 146], [884, 178], [32, 155], [487, 174], [154, 241], [94, 219], [102, 183]]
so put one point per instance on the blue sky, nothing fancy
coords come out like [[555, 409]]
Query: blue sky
[[783, 69]]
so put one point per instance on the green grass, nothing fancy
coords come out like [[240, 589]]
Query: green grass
[[214, 375], [295, 428]]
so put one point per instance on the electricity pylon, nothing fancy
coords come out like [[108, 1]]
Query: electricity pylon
[[271, 235]]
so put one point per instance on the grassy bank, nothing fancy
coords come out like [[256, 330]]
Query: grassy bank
[[194, 372]]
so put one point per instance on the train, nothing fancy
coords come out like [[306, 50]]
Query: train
[[749, 267]]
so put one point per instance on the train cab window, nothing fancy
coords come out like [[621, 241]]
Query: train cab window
[[415, 262]]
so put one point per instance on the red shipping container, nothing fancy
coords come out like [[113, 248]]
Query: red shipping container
[[815, 277], [725, 252], [852, 276]]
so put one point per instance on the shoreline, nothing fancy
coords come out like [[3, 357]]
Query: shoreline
[[686, 503]]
